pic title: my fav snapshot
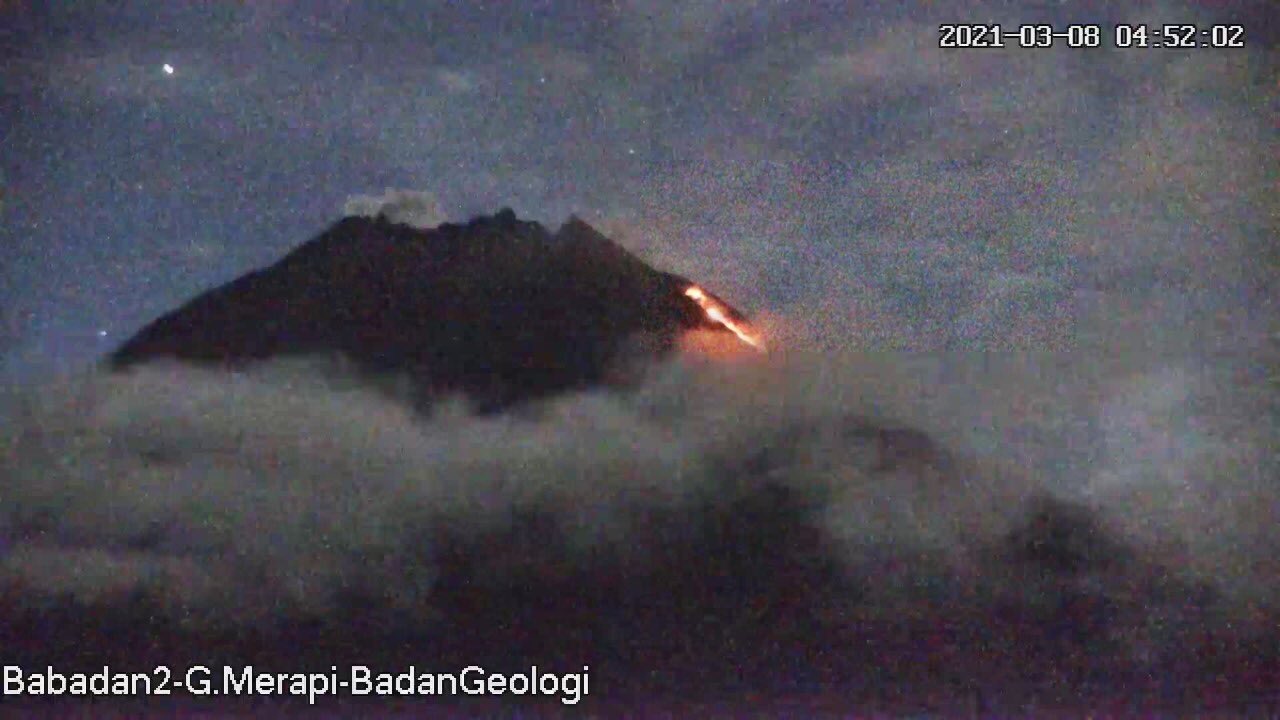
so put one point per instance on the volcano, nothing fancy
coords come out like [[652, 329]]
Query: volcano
[[811, 533], [499, 309]]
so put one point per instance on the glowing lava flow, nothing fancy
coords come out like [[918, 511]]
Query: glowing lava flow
[[716, 313]]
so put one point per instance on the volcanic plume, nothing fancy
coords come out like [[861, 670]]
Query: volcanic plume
[[497, 308]]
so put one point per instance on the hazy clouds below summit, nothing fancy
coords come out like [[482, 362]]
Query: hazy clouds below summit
[[230, 495]]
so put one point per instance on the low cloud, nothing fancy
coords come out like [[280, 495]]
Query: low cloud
[[245, 500]]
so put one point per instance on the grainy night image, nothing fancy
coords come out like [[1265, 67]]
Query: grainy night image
[[632, 359]]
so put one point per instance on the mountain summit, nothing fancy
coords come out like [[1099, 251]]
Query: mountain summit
[[500, 309]]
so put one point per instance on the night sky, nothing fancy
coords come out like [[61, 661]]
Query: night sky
[[821, 164]]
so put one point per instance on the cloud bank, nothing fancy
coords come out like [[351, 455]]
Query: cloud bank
[[860, 496]]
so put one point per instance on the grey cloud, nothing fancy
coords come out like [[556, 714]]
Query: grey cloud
[[274, 488]]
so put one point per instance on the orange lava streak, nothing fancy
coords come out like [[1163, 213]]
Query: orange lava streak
[[716, 313]]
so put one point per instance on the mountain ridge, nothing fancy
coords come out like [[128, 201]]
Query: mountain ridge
[[497, 308]]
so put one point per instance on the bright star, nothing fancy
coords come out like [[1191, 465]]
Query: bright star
[[168, 69]]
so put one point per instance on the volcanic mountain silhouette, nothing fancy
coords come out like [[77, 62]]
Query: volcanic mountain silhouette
[[703, 545], [499, 309]]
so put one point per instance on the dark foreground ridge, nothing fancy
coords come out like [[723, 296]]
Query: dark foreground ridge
[[498, 308]]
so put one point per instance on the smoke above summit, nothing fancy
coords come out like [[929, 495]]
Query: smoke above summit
[[404, 207]]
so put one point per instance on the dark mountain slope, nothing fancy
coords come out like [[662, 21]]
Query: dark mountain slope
[[498, 308]]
